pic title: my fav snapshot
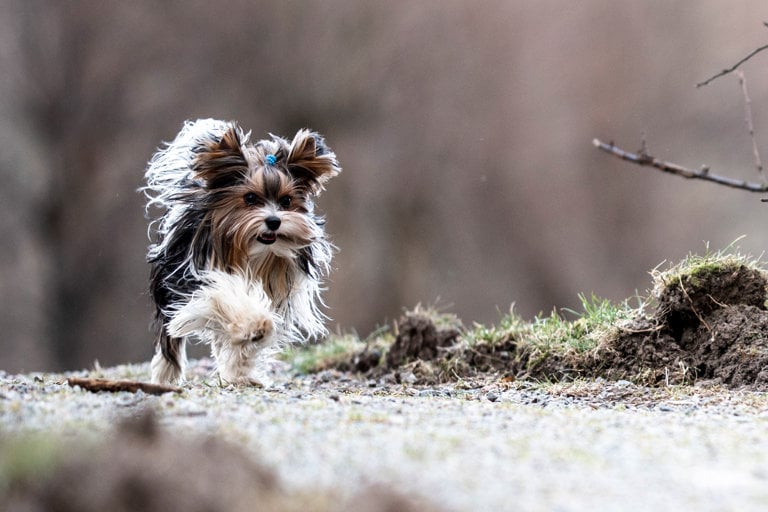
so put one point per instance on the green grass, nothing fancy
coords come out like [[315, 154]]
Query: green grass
[[696, 266], [312, 358], [555, 332], [511, 326]]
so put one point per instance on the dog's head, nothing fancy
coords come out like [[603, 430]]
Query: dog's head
[[258, 197]]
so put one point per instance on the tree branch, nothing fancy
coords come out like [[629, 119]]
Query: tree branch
[[735, 66], [643, 159], [750, 125]]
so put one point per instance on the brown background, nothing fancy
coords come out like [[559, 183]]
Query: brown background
[[464, 130]]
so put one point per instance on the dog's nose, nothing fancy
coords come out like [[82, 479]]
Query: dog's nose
[[272, 222]]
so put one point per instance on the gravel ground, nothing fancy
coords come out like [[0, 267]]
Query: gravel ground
[[467, 446]]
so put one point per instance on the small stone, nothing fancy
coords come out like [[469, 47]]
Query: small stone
[[492, 396]]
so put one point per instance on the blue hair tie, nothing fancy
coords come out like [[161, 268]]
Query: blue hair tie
[[271, 159]]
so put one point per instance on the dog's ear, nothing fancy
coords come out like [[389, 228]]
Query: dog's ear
[[220, 162], [311, 161]]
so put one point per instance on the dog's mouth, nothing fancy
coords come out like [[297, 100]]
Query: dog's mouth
[[267, 238]]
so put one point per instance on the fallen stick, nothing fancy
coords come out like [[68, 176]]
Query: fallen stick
[[113, 386], [643, 159]]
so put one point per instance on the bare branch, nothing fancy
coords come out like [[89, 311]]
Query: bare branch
[[645, 160], [750, 125], [732, 68]]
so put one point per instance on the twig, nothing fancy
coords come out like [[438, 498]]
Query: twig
[[750, 125], [734, 67], [114, 386], [645, 160], [693, 308]]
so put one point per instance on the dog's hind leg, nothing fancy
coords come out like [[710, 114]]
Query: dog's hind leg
[[170, 360]]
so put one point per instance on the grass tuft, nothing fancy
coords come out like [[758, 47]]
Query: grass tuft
[[316, 357], [555, 333], [438, 316], [694, 267]]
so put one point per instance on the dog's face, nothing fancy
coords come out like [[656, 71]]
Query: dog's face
[[259, 197]]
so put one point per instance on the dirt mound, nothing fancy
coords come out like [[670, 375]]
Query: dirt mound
[[684, 301], [418, 338], [733, 347], [708, 324]]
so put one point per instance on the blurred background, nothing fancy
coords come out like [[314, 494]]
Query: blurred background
[[464, 129]]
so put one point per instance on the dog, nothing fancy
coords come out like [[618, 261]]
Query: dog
[[238, 254]]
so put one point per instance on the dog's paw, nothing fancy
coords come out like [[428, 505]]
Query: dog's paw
[[243, 372], [247, 381], [255, 329]]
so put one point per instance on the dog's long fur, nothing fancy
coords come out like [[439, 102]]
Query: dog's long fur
[[238, 254]]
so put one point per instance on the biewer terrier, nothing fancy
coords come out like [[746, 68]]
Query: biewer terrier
[[238, 254]]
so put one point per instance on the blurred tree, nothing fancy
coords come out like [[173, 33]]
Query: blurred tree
[[463, 129]]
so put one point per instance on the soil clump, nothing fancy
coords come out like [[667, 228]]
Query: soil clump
[[708, 326]]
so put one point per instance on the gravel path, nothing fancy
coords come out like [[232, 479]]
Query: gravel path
[[602, 446]]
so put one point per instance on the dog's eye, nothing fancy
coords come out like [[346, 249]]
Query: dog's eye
[[252, 199], [285, 201]]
